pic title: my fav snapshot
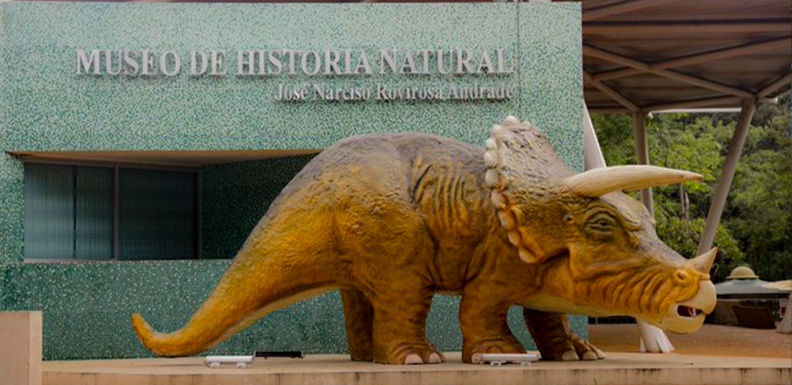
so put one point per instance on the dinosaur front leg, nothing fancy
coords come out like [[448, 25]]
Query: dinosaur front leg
[[555, 340], [399, 329], [484, 327], [359, 317]]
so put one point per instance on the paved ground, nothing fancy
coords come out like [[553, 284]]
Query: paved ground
[[711, 340], [699, 361], [618, 369]]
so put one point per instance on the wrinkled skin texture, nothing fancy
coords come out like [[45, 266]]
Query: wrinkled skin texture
[[392, 219]]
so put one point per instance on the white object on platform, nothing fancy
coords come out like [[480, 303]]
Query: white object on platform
[[653, 339], [498, 359], [215, 362], [786, 323]]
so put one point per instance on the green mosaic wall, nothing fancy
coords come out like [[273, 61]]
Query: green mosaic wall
[[44, 106], [87, 307]]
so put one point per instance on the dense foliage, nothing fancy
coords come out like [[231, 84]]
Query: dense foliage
[[756, 228]]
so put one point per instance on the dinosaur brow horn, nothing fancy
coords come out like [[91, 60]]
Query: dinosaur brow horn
[[600, 181]]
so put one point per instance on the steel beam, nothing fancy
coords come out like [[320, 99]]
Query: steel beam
[[774, 86], [607, 90], [619, 8], [720, 54], [589, 50], [701, 82], [617, 74], [608, 110], [676, 28], [720, 101], [727, 176], [725, 53]]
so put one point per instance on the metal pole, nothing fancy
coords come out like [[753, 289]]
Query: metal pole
[[592, 153], [653, 339], [642, 154], [727, 175], [786, 322]]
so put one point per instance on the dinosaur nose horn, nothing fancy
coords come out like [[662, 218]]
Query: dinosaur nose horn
[[703, 263]]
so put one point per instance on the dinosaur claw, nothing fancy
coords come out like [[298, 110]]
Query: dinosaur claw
[[435, 358], [599, 353], [570, 355], [589, 356], [413, 359]]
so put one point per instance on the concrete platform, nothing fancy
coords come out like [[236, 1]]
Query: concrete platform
[[617, 369], [20, 347]]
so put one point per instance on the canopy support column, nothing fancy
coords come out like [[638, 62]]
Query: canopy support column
[[592, 152], [642, 154], [653, 339], [727, 176]]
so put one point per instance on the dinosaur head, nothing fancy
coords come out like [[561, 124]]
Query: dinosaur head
[[605, 255]]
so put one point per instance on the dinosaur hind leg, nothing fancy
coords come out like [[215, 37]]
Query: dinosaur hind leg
[[400, 335], [399, 328], [555, 340], [484, 325], [359, 316]]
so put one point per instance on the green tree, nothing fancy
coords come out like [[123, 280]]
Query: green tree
[[756, 226], [760, 204], [684, 142]]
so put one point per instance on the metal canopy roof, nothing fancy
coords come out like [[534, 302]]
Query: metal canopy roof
[[646, 55], [649, 55]]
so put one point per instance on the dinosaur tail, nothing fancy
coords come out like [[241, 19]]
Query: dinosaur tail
[[257, 283]]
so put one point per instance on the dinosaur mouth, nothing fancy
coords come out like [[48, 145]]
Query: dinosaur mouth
[[688, 316], [687, 311]]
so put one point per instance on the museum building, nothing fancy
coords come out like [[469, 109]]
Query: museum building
[[141, 143]]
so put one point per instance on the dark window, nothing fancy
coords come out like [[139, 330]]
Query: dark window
[[157, 214], [96, 213]]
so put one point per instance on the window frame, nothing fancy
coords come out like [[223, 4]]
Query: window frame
[[116, 166]]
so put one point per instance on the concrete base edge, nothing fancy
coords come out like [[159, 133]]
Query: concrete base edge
[[616, 369]]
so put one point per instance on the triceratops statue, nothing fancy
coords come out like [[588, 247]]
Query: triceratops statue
[[392, 219]]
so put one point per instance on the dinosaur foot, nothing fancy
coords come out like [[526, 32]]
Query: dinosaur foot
[[412, 354], [413, 359], [474, 354], [586, 351], [361, 355], [583, 350]]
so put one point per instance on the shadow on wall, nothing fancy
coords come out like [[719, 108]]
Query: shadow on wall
[[236, 195]]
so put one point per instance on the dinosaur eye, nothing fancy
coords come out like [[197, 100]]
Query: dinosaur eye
[[602, 224]]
